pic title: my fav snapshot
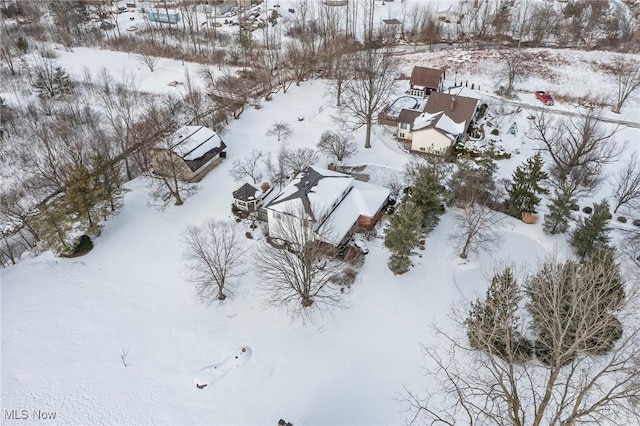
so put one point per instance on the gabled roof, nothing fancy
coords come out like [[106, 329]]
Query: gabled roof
[[192, 142], [246, 192], [457, 108], [426, 77], [329, 198], [314, 190], [408, 116], [196, 145]]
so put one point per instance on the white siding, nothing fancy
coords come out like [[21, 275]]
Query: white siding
[[429, 140]]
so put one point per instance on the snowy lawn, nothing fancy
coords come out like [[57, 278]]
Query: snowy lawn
[[66, 322]]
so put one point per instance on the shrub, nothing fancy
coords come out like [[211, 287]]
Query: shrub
[[622, 219], [345, 278], [636, 222], [495, 132], [574, 207], [235, 210], [249, 235], [587, 210]]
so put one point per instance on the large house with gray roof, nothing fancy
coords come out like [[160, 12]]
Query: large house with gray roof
[[332, 204]]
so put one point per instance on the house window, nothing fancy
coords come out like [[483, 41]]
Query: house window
[[404, 126], [278, 215], [401, 135]]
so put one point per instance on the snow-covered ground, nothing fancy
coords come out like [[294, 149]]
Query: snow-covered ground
[[66, 322]]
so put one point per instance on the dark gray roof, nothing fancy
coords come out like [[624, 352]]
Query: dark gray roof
[[246, 192]]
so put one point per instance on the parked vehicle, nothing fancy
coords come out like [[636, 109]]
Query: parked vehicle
[[544, 97]]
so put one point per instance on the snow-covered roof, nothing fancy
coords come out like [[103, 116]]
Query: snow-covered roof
[[314, 191], [320, 194], [446, 124], [364, 199], [464, 91], [424, 120], [192, 142]]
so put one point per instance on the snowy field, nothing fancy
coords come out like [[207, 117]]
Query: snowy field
[[65, 322]]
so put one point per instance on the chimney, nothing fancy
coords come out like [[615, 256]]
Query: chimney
[[453, 103]]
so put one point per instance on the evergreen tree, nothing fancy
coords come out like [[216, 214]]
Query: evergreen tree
[[492, 323], [108, 181], [402, 236], [52, 81], [61, 83], [80, 194], [472, 181], [557, 220], [592, 233], [53, 225], [425, 193], [523, 192]]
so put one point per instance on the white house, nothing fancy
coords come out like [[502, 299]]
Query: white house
[[332, 204], [192, 151], [444, 119]]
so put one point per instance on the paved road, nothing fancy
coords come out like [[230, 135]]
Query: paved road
[[566, 113]]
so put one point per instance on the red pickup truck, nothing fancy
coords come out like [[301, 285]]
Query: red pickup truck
[[544, 97]]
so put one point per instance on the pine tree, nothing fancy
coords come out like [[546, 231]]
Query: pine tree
[[80, 193], [523, 192], [492, 323], [108, 181], [472, 180], [557, 221], [85, 198], [592, 233], [61, 83], [402, 236], [425, 193], [53, 225]]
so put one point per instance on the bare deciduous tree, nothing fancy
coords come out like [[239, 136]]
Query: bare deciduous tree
[[167, 177], [514, 68], [299, 275], [578, 148], [476, 228], [214, 255], [298, 159], [368, 90], [149, 61], [336, 145], [281, 130], [512, 382], [277, 170], [626, 74], [248, 166], [627, 189]]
